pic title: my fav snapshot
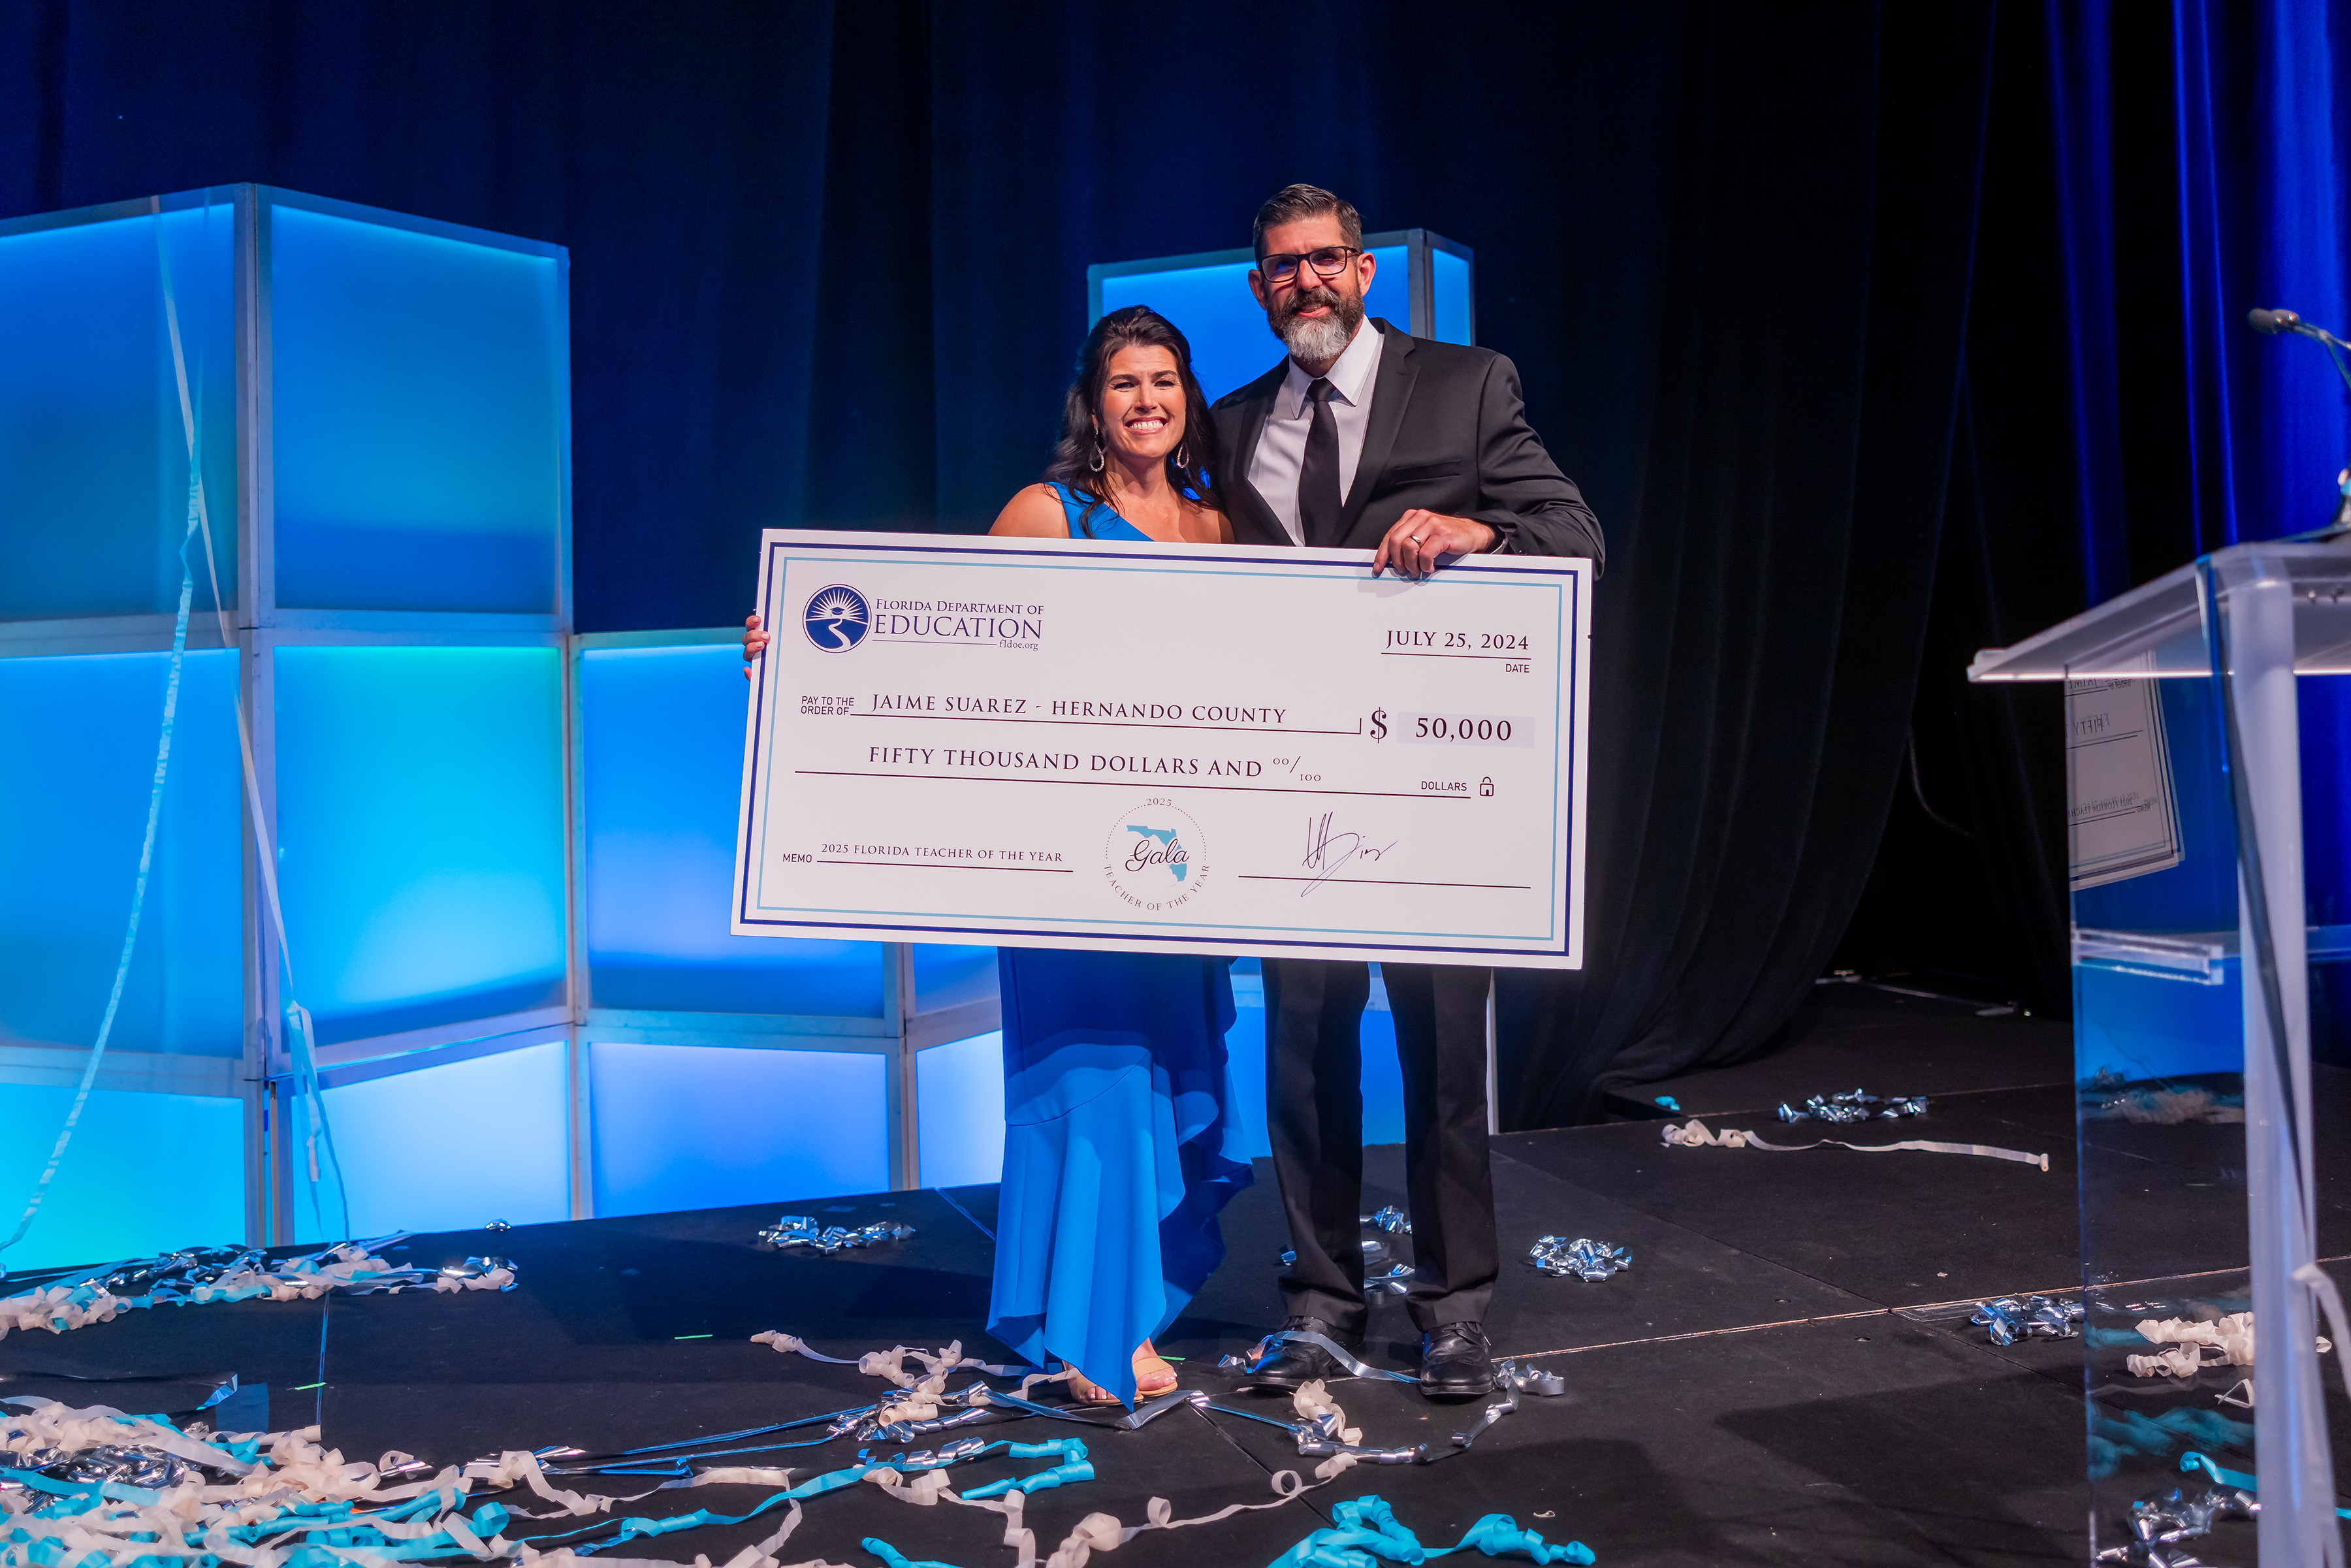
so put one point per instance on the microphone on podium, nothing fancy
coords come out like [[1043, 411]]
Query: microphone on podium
[[2274, 322]]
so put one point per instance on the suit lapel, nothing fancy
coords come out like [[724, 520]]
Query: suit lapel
[[1243, 495], [1391, 392]]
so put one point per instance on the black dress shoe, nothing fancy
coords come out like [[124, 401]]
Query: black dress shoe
[[1290, 1365], [1456, 1361]]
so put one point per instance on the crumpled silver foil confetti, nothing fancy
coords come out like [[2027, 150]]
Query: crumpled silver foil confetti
[[1383, 1273], [2013, 1318], [796, 1232], [1854, 1105], [2157, 1525], [184, 1270], [130, 1467], [198, 1276], [1584, 1258], [1320, 1427]]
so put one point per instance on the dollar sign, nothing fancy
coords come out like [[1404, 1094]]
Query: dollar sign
[[1379, 723]]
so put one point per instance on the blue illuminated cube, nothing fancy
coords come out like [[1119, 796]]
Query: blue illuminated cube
[[402, 385], [1423, 284], [346, 432]]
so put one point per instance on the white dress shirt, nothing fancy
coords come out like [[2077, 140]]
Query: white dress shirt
[[1282, 449]]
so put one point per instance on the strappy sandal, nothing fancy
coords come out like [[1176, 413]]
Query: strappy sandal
[[1152, 1384], [1086, 1391]]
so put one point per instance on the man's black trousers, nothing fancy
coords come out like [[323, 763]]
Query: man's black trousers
[[1314, 1112]]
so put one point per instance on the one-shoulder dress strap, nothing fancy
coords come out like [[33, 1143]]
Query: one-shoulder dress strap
[[1080, 510], [1092, 519]]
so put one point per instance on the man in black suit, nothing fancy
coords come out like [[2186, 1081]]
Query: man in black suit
[[1420, 452]]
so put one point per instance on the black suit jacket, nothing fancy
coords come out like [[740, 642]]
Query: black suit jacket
[[1449, 431]]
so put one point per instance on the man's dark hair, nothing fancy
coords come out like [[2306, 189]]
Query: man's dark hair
[[1292, 203]]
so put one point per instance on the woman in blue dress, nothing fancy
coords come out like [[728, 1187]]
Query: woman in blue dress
[[1117, 1093]]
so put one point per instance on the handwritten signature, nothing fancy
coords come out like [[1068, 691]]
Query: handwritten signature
[[1328, 851]]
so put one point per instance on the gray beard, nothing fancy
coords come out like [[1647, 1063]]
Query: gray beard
[[1318, 340]]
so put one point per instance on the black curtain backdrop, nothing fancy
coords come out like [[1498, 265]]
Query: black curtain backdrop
[[828, 269], [2095, 449], [1968, 891]]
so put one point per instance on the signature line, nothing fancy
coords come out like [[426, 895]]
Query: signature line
[[1379, 881], [959, 865]]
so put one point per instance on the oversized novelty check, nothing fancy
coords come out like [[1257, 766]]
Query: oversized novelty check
[[1183, 748]]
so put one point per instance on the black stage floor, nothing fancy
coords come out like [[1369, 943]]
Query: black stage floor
[[1779, 1378]]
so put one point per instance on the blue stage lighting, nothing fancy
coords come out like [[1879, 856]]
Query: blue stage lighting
[[77, 760], [418, 389], [421, 833]]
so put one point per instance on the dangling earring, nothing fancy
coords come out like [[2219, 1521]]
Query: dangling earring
[[1182, 454], [1096, 465]]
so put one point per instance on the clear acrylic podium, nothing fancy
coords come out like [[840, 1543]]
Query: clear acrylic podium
[[2209, 933]]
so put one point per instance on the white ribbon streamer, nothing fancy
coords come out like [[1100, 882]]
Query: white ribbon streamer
[[1694, 1134]]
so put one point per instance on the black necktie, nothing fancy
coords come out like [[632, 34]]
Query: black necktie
[[1317, 477]]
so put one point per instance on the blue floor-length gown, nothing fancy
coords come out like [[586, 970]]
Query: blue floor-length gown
[[1117, 1096]]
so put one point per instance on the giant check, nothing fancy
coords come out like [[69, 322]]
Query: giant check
[[1183, 748]]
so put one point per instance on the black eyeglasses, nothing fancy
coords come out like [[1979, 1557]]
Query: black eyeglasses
[[1328, 261]]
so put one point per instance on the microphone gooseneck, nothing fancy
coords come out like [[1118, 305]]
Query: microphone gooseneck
[[2274, 322]]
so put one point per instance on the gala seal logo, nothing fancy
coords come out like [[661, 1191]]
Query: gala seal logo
[[1154, 858]]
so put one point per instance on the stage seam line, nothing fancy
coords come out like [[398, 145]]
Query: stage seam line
[[1724, 1242], [1306, 1500], [967, 1214], [1769, 1110], [1876, 1313], [319, 1408], [1224, 1437]]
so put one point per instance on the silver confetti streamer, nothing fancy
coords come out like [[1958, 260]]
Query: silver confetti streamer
[[1383, 1273], [1854, 1105], [184, 1270], [197, 1276], [129, 1467], [1584, 1258], [796, 1232], [2013, 1318], [2157, 1525]]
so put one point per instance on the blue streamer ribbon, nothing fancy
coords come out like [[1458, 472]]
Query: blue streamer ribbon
[[894, 1558], [1071, 1451], [2192, 1462], [1367, 1533]]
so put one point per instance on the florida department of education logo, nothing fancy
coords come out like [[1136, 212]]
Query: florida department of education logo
[[1155, 857], [836, 617]]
